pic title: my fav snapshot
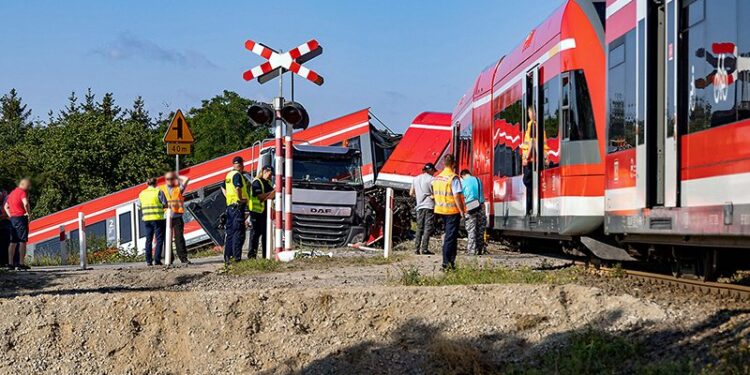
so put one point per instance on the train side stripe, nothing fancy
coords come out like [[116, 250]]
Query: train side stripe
[[616, 7], [430, 127]]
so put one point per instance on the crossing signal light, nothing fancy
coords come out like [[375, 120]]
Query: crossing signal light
[[261, 115], [295, 114]]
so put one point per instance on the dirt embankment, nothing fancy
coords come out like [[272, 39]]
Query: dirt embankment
[[353, 330]]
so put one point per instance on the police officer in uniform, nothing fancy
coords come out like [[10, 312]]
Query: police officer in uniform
[[152, 203], [261, 192], [236, 193]]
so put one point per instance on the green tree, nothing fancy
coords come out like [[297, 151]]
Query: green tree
[[221, 126], [89, 153], [14, 126]]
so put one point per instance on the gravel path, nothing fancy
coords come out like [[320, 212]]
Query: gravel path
[[131, 319]]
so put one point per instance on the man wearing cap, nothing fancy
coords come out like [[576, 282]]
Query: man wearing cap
[[421, 189], [261, 191], [236, 194]]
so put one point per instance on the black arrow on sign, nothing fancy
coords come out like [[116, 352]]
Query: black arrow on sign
[[178, 127]]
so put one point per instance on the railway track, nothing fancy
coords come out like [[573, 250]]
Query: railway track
[[706, 287]]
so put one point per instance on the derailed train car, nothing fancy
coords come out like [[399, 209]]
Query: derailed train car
[[114, 218]]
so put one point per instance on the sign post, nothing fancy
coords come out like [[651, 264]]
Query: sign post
[[279, 63], [179, 140]]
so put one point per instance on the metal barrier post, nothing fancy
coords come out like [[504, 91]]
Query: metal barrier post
[[82, 240], [269, 230], [168, 239], [388, 237]]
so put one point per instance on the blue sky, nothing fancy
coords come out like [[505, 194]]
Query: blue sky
[[398, 57]]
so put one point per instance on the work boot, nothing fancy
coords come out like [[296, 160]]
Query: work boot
[[418, 252], [428, 252]]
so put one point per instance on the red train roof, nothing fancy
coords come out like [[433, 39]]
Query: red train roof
[[424, 142], [201, 175]]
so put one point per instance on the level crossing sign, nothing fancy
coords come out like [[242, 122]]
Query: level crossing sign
[[286, 61]]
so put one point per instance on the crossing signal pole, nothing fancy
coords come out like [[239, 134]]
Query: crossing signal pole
[[282, 112]]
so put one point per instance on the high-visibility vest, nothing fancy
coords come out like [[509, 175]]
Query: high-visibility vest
[[254, 203], [445, 202], [231, 191], [529, 137], [175, 200], [151, 207]]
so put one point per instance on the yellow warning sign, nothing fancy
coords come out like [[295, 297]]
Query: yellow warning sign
[[178, 131]]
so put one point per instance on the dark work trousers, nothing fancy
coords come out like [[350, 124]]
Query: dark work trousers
[[528, 182], [178, 230], [257, 230], [155, 231], [4, 241], [424, 230], [450, 240], [235, 231]]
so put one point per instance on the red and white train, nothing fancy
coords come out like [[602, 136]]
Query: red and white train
[[114, 217], [643, 112]]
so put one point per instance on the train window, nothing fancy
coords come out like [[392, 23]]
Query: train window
[[621, 94], [576, 111], [742, 85], [126, 230], [551, 120], [696, 12], [97, 232], [507, 158], [49, 248], [141, 225], [713, 58]]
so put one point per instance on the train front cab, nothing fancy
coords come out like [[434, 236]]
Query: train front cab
[[678, 163], [558, 72]]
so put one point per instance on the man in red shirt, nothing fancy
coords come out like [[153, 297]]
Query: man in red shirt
[[17, 207]]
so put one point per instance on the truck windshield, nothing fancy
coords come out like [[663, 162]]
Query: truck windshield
[[327, 171]]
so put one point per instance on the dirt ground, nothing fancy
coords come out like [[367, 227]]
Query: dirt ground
[[341, 319]]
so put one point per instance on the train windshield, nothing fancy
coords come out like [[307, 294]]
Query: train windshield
[[327, 170]]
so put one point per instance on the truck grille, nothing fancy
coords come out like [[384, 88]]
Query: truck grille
[[323, 231]]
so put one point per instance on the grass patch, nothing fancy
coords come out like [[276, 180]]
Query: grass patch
[[206, 251], [486, 273], [256, 266], [596, 352]]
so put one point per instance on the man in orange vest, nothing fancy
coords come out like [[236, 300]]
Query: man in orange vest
[[449, 205], [173, 189]]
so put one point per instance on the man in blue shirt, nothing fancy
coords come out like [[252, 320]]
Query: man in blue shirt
[[476, 216]]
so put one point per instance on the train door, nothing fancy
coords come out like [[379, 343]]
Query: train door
[[662, 154], [532, 116], [126, 226]]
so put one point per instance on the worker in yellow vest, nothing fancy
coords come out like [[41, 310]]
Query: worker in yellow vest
[[173, 188], [261, 191], [236, 193], [449, 205], [152, 203]]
